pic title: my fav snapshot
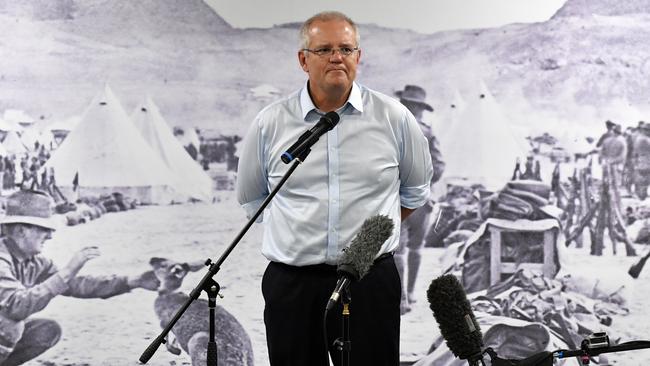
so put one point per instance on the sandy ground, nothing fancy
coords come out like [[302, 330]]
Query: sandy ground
[[116, 331]]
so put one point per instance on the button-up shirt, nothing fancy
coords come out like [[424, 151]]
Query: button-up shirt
[[374, 161]]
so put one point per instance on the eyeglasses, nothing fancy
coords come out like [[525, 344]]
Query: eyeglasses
[[328, 51]]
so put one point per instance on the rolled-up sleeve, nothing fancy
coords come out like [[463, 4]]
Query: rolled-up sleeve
[[251, 186], [415, 168]]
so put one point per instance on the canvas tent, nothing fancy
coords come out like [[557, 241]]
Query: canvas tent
[[13, 144], [3, 151], [191, 179], [8, 126], [448, 115], [480, 147], [110, 155], [32, 134]]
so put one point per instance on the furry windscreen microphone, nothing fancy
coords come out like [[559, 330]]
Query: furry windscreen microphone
[[455, 318], [356, 260]]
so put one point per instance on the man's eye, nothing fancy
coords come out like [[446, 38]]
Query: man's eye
[[323, 51], [346, 50]]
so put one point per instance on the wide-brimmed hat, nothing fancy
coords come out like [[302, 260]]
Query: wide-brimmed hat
[[414, 94], [30, 207]]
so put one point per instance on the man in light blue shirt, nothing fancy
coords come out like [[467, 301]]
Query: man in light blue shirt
[[375, 161]]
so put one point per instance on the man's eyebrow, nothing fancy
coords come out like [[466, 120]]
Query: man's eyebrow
[[323, 45]]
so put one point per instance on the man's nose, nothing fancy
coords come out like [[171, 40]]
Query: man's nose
[[336, 55]]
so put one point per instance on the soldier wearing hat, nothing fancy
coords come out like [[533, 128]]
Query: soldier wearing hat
[[414, 228], [28, 280]]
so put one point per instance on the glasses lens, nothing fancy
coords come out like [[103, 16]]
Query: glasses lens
[[346, 51]]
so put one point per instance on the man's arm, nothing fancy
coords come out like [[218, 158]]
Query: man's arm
[[251, 186], [415, 167], [100, 286]]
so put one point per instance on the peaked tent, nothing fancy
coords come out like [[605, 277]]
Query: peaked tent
[[110, 155], [191, 179], [479, 147], [3, 152], [6, 125], [29, 136], [13, 144], [449, 114]]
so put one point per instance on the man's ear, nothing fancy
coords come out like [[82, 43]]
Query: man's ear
[[358, 56], [302, 59]]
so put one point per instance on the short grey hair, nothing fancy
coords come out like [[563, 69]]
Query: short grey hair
[[326, 16]]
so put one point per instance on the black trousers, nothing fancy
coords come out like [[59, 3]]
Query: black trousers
[[295, 300]]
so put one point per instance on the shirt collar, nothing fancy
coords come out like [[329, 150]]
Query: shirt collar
[[307, 105]]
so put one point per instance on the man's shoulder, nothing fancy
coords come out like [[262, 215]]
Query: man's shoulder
[[379, 97], [287, 104], [385, 105]]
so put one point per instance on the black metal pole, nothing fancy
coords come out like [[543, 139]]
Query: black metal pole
[[212, 288], [346, 344]]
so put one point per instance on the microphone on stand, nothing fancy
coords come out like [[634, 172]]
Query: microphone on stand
[[356, 260], [457, 322], [309, 138], [460, 329]]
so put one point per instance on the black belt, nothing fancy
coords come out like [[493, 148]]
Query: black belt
[[330, 267]]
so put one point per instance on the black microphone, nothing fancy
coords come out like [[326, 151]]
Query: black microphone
[[309, 138], [454, 315], [356, 260]]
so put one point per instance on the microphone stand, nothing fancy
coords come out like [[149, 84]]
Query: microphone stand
[[344, 344], [208, 284], [212, 291], [585, 353]]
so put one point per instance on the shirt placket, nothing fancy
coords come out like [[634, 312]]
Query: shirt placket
[[334, 201]]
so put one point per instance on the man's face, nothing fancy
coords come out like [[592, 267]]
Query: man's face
[[333, 72], [31, 238]]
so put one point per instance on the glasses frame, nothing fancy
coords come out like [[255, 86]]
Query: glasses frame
[[330, 51]]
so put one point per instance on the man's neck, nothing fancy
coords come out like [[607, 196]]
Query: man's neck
[[328, 102]]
